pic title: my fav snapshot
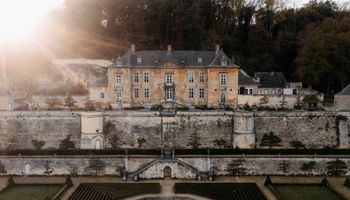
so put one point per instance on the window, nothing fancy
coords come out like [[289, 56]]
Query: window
[[146, 77], [136, 77], [146, 93], [191, 93], [118, 95], [102, 95], [223, 94], [191, 77], [182, 60], [223, 79], [169, 94], [201, 93], [98, 144], [136, 93], [200, 60], [118, 79], [202, 77], [223, 62], [156, 60], [119, 63], [169, 79], [139, 60], [248, 91]]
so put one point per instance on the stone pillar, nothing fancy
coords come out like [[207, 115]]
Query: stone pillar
[[126, 163], [208, 163], [343, 129], [243, 133]]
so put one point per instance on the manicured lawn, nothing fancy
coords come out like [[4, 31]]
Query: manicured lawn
[[227, 191], [25, 192], [92, 191], [305, 192]]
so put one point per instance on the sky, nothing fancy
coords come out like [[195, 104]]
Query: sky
[[299, 3]]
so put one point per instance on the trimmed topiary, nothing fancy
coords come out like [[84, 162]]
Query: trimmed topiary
[[11, 182], [324, 182], [268, 181], [69, 181]]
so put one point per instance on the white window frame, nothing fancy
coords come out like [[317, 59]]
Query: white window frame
[[202, 77], [169, 94], [146, 93], [190, 93], [223, 79], [224, 63], [136, 93], [146, 77], [118, 95], [118, 79], [136, 77], [200, 60], [169, 79], [139, 60], [201, 93], [191, 77]]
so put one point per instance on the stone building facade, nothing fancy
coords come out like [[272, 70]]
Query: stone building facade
[[146, 78]]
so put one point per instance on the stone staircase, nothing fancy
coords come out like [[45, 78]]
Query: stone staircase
[[134, 176]]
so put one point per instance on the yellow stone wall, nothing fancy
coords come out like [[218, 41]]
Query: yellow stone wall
[[181, 85]]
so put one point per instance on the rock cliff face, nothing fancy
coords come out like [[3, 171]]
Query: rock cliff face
[[211, 129]]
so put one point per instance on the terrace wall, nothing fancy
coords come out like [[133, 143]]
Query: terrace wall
[[211, 129], [81, 165]]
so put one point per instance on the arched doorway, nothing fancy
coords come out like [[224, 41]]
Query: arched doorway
[[167, 172], [98, 144]]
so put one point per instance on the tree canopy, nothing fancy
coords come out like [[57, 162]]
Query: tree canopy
[[310, 44]]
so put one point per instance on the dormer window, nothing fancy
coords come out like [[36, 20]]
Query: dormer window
[[182, 60], [200, 60], [139, 60], [223, 62], [156, 60], [119, 62]]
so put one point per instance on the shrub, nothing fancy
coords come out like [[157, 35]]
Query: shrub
[[140, 141], [96, 166], [220, 142], [67, 143], [69, 102], [308, 166], [270, 140], [48, 168], [297, 144], [38, 144], [2, 168], [337, 167], [53, 103]]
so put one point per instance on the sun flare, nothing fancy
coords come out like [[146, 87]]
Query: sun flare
[[18, 18]]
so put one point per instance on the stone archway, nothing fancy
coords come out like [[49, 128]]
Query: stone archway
[[167, 172]]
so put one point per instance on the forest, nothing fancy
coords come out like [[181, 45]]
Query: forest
[[309, 43]]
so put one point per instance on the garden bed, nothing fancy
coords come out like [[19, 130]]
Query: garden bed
[[92, 191], [237, 191], [306, 192], [30, 191]]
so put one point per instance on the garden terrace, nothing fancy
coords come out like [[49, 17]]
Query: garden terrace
[[31, 191], [325, 151], [224, 191], [110, 191], [303, 191]]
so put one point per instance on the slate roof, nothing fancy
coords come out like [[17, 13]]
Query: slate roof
[[271, 79], [345, 91], [245, 79], [209, 58]]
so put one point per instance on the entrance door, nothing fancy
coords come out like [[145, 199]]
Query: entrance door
[[169, 94], [98, 144], [167, 172]]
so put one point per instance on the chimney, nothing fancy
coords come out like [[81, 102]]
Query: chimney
[[217, 48], [132, 49], [169, 49]]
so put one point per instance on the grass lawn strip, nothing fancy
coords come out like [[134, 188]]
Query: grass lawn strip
[[306, 192], [30, 191]]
